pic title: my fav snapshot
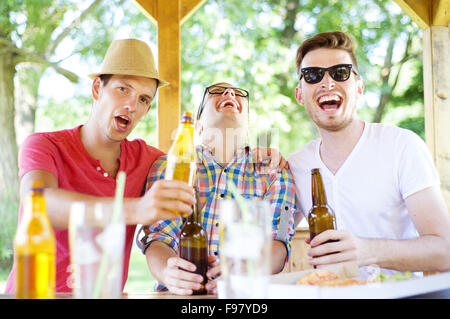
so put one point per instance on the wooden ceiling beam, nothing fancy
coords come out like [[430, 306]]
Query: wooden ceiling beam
[[149, 8], [441, 13], [417, 10], [188, 7], [427, 13]]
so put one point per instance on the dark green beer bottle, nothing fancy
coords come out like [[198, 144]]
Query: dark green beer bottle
[[194, 244]]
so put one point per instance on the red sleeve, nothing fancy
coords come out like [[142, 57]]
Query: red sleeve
[[37, 152]]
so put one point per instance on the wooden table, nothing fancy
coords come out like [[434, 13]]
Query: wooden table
[[170, 305], [146, 295]]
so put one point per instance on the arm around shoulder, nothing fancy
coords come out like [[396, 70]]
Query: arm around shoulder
[[281, 195]]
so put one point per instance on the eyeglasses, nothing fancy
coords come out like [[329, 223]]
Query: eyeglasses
[[339, 72], [217, 89]]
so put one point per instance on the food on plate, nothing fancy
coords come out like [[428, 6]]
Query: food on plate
[[396, 277], [327, 278], [315, 277], [342, 282]]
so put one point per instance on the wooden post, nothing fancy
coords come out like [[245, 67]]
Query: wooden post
[[168, 15], [299, 260], [436, 70], [169, 64]]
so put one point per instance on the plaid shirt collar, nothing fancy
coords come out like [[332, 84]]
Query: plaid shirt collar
[[207, 153]]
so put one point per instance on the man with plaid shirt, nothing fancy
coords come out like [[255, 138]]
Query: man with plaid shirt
[[223, 155]]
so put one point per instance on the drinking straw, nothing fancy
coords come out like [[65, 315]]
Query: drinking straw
[[118, 202], [240, 201], [245, 218]]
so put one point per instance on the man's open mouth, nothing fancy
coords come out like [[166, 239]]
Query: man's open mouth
[[229, 105], [329, 102], [122, 121]]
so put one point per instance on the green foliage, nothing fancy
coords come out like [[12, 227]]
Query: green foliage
[[139, 277], [8, 212], [415, 124], [396, 277], [254, 46], [414, 91], [56, 116]]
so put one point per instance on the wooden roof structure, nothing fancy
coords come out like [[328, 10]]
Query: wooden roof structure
[[432, 16], [427, 13], [168, 15]]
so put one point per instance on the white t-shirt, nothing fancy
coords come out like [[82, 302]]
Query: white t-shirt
[[368, 192]]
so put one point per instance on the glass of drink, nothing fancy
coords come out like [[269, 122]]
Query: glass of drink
[[245, 247], [96, 251]]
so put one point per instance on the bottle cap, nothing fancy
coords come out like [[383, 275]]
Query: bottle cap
[[37, 184], [315, 170], [186, 117]]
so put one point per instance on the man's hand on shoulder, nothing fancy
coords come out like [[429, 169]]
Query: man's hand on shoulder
[[271, 156]]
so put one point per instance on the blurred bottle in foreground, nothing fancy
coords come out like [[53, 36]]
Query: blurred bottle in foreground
[[35, 247]]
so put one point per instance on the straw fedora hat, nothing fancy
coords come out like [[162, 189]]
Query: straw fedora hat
[[130, 57]]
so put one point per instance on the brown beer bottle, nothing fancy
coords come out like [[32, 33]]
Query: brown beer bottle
[[34, 249], [194, 244], [321, 216]]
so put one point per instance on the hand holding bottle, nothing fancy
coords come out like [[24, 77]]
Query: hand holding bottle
[[180, 277], [337, 246], [163, 200]]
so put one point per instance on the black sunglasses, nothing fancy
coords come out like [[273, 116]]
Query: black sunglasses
[[217, 89], [339, 72]]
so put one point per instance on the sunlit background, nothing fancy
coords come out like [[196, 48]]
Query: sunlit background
[[251, 44]]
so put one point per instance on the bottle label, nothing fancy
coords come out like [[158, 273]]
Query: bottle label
[[182, 171]]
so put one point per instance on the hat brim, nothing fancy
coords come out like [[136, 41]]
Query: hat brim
[[161, 82]]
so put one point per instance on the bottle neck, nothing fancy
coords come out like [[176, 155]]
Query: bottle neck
[[183, 145], [317, 190], [36, 202], [186, 124], [195, 217]]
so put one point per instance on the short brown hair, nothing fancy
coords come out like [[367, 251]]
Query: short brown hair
[[330, 40], [105, 78]]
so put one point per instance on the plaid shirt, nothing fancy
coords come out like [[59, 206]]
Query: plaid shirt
[[211, 181]]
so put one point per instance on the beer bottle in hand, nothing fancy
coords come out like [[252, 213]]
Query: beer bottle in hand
[[181, 163], [34, 248], [321, 217], [194, 244], [181, 156]]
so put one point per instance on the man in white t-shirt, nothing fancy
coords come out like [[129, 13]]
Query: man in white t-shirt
[[379, 179]]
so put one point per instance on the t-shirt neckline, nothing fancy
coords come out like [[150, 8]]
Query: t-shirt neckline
[[349, 158]]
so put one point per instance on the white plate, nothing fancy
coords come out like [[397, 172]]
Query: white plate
[[283, 286]]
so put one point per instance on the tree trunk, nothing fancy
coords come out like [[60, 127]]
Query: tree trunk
[[26, 94], [9, 179], [292, 8], [386, 73], [386, 90]]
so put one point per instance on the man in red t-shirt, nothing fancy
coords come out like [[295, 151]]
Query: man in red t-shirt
[[81, 164]]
